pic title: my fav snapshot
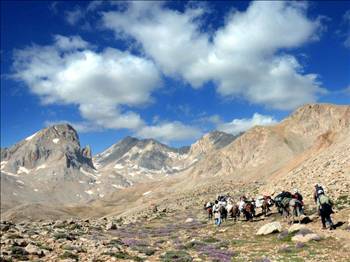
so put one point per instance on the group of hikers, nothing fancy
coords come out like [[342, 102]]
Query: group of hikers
[[288, 205]]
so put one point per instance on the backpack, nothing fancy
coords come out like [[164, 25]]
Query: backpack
[[285, 201], [324, 200]]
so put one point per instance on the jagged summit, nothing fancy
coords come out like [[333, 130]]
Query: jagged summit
[[58, 143], [48, 166]]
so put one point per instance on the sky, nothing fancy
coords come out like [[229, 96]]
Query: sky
[[171, 71]]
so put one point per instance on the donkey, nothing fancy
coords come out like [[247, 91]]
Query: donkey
[[266, 204], [249, 211], [234, 212], [209, 208], [292, 208], [223, 212]]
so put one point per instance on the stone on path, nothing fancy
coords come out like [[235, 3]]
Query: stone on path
[[34, 250], [306, 238], [270, 228], [189, 220], [295, 228]]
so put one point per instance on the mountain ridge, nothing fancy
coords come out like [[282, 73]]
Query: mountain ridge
[[150, 170]]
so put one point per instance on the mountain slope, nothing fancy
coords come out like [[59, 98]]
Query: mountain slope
[[48, 166], [312, 144], [145, 160], [268, 148]]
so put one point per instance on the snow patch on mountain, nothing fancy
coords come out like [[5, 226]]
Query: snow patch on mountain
[[55, 140], [87, 173], [118, 186], [22, 169], [30, 137], [41, 167]]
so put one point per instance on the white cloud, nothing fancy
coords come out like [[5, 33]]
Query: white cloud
[[70, 43], [171, 131], [99, 83], [81, 127], [246, 57], [74, 16], [237, 126]]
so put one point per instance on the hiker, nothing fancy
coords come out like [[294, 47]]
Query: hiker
[[296, 195], [217, 213], [209, 208], [318, 188], [241, 203], [324, 205]]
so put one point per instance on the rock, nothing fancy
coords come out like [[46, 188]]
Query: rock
[[299, 245], [18, 251], [304, 231], [189, 220], [306, 238], [295, 228], [21, 242], [305, 219], [111, 226], [285, 249], [269, 228], [33, 250], [283, 235], [313, 217]]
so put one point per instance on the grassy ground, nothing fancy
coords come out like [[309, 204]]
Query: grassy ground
[[171, 239]]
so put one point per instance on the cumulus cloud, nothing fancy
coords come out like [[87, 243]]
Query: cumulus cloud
[[171, 131], [81, 127], [237, 126], [100, 84], [246, 57]]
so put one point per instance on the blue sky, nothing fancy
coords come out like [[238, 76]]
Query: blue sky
[[171, 71]]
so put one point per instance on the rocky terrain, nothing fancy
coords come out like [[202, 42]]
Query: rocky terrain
[[58, 202], [174, 235]]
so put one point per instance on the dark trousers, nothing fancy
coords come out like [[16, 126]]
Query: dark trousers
[[325, 213]]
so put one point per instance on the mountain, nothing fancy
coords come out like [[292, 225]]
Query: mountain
[[265, 149], [310, 146], [47, 166], [50, 166], [141, 160]]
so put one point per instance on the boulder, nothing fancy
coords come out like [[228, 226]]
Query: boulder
[[111, 226], [33, 250], [270, 228], [189, 220], [306, 238], [295, 228]]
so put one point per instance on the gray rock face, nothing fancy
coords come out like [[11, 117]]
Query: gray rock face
[[56, 143], [146, 153], [221, 139], [50, 165]]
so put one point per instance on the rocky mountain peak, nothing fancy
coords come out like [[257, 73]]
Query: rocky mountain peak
[[54, 144], [318, 118], [212, 141]]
